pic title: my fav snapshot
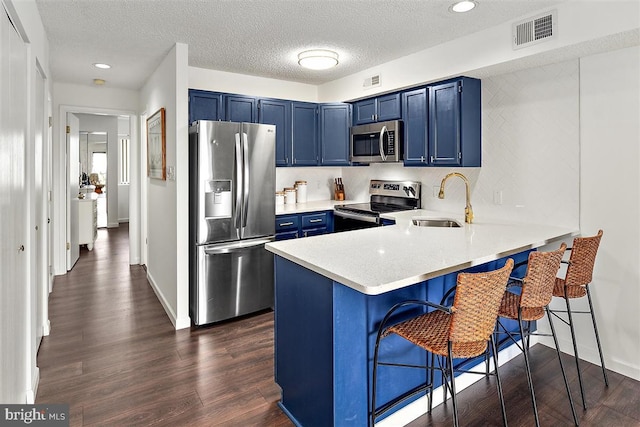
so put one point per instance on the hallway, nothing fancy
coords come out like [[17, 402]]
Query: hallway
[[115, 358]]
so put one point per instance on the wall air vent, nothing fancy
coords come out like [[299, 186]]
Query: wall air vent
[[535, 30], [370, 82]]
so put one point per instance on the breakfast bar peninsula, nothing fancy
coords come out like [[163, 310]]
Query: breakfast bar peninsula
[[333, 290]]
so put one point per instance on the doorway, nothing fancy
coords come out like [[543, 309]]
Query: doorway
[[121, 125]]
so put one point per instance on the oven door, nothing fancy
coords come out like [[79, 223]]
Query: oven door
[[347, 221]]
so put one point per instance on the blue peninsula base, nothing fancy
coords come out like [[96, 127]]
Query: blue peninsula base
[[324, 341]]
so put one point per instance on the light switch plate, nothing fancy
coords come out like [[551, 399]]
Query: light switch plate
[[171, 173]]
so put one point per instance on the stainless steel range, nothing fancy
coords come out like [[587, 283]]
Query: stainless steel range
[[386, 196]]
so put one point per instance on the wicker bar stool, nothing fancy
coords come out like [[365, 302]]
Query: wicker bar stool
[[530, 305], [461, 331], [575, 284]]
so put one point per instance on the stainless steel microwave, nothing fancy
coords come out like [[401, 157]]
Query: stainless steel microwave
[[377, 142]]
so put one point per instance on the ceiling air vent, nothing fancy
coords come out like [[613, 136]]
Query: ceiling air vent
[[535, 30], [373, 81]]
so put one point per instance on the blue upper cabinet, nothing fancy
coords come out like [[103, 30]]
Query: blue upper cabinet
[[414, 116], [205, 105], [389, 107], [379, 109], [240, 108], [334, 134], [455, 123], [304, 133], [278, 113]]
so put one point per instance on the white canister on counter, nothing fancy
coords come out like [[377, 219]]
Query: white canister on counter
[[290, 196], [301, 188], [279, 198]]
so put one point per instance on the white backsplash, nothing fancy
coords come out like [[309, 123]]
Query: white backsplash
[[319, 180], [530, 155]]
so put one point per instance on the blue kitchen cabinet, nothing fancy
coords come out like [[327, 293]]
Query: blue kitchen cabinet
[[304, 140], [334, 134], [287, 227], [205, 105], [455, 123], [293, 226], [240, 108], [278, 113], [378, 109], [414, 116]]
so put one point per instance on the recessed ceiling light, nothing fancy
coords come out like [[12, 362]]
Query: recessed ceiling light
[[318, 59], [99, 82], [463, 6], [101, 65]]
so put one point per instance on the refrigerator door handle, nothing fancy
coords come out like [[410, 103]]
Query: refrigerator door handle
[[245, 178], [234, 246], [238, 186]]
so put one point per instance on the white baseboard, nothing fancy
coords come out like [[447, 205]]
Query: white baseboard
[[591, 355], [178, 323], [419, 407], [30, 395]]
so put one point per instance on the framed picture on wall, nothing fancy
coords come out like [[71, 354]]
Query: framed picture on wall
[[156, 146]]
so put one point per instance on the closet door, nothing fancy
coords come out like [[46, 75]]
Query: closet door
[[15, 335]]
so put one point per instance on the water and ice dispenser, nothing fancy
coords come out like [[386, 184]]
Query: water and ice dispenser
[[217, 199]]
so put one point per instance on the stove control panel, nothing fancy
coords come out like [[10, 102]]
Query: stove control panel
[[403, 189]]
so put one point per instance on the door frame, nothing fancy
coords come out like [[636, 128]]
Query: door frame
[[62, 191]]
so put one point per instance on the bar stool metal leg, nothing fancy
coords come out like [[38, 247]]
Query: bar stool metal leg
[[575, 351], [525, 352], [595, 329], [564, 375], [494, 349]]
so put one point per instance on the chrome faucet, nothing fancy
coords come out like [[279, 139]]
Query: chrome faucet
[[468, 211]]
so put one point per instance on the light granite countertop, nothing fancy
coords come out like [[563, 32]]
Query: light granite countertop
[[382, 259]]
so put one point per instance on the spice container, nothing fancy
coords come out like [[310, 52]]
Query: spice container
[[279, 198], [290, 196], [301, 191]]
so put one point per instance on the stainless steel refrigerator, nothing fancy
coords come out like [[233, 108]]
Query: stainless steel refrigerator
[[232, 216]]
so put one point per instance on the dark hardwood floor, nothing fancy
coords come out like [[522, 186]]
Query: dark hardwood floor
[[115, 358]]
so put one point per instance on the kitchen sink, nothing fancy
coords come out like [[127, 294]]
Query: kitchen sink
[[436, 222]]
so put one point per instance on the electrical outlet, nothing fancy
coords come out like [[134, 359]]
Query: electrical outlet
[[497, 197]]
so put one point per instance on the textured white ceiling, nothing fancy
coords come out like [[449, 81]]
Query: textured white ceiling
[[259, 37]]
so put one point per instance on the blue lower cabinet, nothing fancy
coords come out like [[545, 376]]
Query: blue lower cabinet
[[325, 335], [303, 225]]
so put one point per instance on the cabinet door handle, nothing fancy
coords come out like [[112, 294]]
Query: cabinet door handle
[[432, 159], [21, 248], [316, 220], [284, 224]]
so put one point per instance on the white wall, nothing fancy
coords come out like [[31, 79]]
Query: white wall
[[221, 81], [167, 201], [610, 200], [578, 22], [109, 124]]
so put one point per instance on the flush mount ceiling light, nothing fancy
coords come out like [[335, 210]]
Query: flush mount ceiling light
[[99, 82], [463, 6], [318, 59], [102, 66]]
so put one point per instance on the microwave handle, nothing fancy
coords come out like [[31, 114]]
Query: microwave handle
[[382, 152]]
